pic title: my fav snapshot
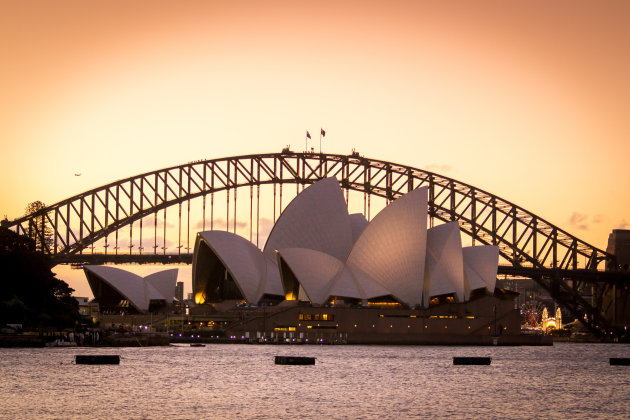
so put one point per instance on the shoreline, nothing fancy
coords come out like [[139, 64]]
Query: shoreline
[[161, 339]]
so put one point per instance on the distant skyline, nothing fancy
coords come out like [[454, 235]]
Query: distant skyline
[[525, 99]]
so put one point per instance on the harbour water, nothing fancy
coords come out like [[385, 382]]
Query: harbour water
[[567, 380]]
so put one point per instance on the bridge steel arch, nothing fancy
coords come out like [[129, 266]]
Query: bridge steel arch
[[525, 240]]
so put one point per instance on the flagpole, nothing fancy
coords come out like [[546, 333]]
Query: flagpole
[[322, 133], [308, 136]]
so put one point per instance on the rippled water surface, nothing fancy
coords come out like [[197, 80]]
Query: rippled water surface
[[242, 381]]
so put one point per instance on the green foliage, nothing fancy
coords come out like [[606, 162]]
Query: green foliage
[[38, 229], [30, 293]]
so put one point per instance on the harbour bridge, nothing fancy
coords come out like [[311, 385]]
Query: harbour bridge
[[89, 227]]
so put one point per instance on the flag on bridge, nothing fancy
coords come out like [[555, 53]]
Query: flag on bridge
[[308, 135], [322, 133]]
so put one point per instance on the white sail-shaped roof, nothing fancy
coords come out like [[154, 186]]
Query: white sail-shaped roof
[[152, 293], [321, 276], [367, 285], [138, 290], [445, 263], [241, 258], [316, 250], [345, 285], [164, 283], [358, 222], [480, 268], [129, 285], [391, 249], [272, 284], [356, 284], [314, 270], [316, 219]]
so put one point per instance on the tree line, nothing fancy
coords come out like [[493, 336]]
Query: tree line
[[30, 294]]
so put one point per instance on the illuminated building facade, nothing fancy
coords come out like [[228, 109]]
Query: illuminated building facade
[[548, 323]]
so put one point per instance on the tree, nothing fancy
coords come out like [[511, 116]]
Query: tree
[[38, 228], [30, 294]]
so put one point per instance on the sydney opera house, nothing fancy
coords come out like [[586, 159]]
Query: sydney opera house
[[325, 274], [119, 290]]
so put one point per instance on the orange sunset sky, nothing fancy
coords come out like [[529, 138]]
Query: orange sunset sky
[[528, 100]]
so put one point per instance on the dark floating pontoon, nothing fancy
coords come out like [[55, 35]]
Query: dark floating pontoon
[[620, 361], [294, 360], [472, 360], [95, 359]]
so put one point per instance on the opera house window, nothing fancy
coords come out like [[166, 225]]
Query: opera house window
[[316, 317]]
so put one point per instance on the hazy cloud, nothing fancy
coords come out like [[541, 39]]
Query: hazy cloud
[[219, 224], [239, 225], [599, 218], [150, 221], [623, 225], [149, 243], [264, 229], [579, 220], [582, 221]]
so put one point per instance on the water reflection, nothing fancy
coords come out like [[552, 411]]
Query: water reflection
[[241, 381]]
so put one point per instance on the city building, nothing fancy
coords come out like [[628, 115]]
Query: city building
[[616, 299], [88, 308], [179, 292]]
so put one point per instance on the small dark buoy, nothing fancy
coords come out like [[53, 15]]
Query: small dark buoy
[[620, 361], [472, 360], [96, 359], [294, 360]]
